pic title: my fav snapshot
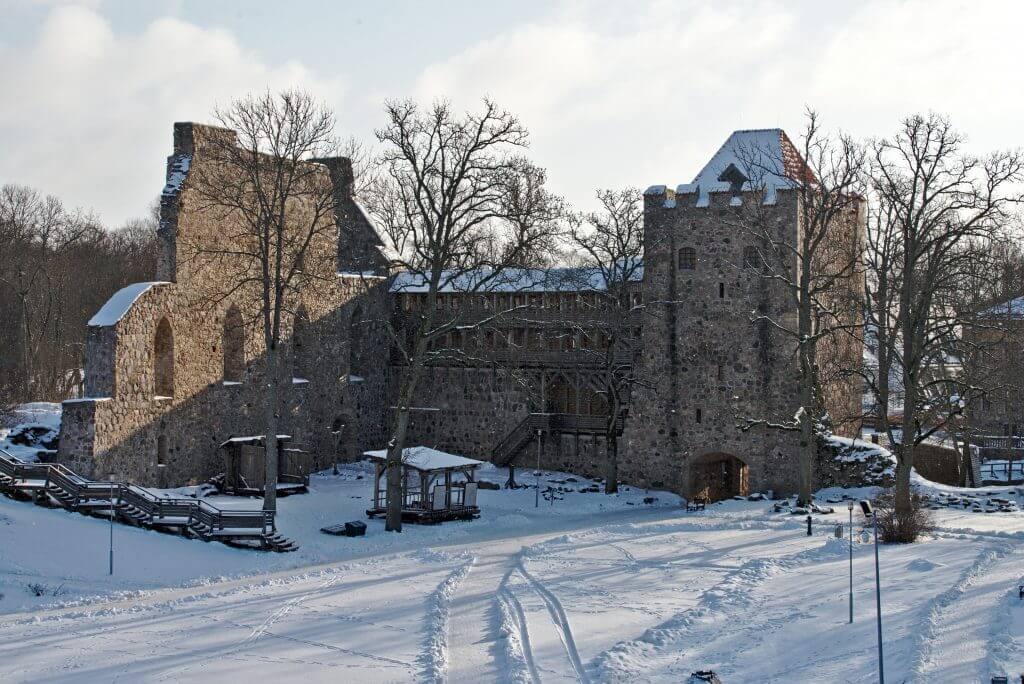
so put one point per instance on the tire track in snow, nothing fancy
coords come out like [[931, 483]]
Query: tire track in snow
[[559, 617], [518, 651], [944, 603], [1006, 639], [435, 652], [625, 661]]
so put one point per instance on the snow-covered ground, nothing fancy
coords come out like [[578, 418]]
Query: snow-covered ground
[[587, 588]]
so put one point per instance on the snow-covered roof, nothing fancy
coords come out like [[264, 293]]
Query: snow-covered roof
[[1011, 308], [752, 159], [425, 458], [252, 439], [119, 304], [514, 280]]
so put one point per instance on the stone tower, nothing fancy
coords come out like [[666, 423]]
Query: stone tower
[[708, 365]]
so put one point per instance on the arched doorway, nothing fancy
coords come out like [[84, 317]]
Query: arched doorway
[[718, 476]]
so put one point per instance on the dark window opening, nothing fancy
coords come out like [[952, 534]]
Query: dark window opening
[[697, 415], [751, 258], [687, 259], [721, 290], [163, 360], [234, 346]]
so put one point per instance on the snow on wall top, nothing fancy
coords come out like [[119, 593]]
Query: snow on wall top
[[177, 171], [425, 458], [515, 280], [119, 304]]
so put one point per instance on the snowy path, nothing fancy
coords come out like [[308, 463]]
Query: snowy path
[[642, 595], [955, 639]]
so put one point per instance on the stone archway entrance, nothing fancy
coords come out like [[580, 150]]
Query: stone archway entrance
[[718, 476]]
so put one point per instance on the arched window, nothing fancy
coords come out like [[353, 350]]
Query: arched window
[[163, 360], [301, 344], [687, 259], [356, 328], [752, 258], [234, 346]]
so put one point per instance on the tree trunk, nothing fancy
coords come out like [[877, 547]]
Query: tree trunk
[[270, 405], [393, 517], [808, 448], [905, 453], [611, 472]]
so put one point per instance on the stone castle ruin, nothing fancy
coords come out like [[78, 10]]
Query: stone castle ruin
[[170, 377]]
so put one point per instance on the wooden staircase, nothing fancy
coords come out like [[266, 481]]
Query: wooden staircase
[[526, 431], [55, 485]]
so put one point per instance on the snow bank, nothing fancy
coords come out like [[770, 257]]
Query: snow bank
[[846, 462], [31, 430]]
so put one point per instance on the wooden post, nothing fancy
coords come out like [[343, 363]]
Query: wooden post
[[376, 484], [448, 489]]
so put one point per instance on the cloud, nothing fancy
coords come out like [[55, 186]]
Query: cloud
[[88, 113], [645, 95]]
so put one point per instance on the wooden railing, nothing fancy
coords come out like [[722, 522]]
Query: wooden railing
[[525, 358], [999, 441], [527, 428], [200, 517]]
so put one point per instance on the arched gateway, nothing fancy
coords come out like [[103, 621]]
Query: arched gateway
[[718, 476]]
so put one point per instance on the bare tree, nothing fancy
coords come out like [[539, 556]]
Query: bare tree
[[47, 245], [458, 209], [815, 265], [276, 210], [610, 243], [936, 212]]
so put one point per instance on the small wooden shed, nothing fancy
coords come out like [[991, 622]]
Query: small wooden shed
[[436, 486], [245, 466]]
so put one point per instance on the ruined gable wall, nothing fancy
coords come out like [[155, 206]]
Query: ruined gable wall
[[120, 428]]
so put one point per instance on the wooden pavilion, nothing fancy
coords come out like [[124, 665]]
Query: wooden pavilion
[[245, 471], [436, 486]]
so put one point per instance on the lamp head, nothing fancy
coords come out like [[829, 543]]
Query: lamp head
[[849, 505], [865, 506]]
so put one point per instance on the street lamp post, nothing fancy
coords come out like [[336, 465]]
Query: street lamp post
[[536, 496], [865, 506], [849, 507], [113, 479]]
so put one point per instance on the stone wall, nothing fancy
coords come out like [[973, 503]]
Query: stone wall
[[708, 367], [129, 426]]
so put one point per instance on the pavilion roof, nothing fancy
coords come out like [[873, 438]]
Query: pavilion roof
[[426, 459]]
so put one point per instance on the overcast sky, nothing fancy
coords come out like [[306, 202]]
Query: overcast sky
[[614, 93]]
